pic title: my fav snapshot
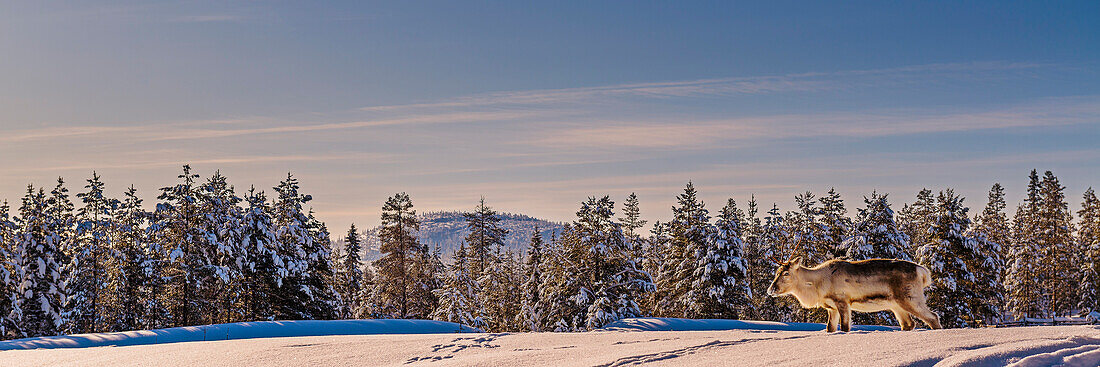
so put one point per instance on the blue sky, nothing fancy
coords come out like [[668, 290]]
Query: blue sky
[[538, 105]]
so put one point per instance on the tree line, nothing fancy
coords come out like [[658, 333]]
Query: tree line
[[206, 255]]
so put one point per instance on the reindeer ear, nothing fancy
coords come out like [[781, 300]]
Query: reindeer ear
[[797, 261]]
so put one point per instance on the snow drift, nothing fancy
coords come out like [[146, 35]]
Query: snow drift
[[240, 330], [672, 324]]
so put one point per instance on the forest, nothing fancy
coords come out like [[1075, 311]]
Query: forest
[[206, 254]]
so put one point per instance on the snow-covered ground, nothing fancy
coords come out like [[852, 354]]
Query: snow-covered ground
[[240, 330], [1022, 346]]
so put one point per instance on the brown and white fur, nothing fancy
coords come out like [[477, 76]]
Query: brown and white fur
[[842, 286]]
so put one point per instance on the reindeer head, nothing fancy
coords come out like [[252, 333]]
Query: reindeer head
[[784, 279]]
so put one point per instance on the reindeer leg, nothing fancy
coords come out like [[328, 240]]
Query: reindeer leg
[[845, 316], [834, 319], [904, 320], [921, 311]]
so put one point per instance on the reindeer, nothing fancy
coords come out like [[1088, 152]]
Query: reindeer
[[841, 286]]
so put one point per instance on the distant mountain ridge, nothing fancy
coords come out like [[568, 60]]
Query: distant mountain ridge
[[447, 230]]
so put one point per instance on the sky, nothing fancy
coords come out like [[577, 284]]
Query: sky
[[537, 106]]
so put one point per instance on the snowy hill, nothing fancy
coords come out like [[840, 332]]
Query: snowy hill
[[447, 230], [1021, 346]]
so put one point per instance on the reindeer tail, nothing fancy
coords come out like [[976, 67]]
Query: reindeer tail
[[925, 276]]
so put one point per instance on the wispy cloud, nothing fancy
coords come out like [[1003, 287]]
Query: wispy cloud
[[802, 82], [171, 159], [705, 133], [208, 18]]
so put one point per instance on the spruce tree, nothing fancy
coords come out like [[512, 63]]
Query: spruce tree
[[264, 268], [561, 283], [7, 244], [835, 227], [807, 225], [772, 244], [720, 287], [458, 300], [293, 237], [36, 270], [652, 263], [319, 275], [992, 231], [1088, 239], [221, 288], [876, 235], [133, 283], [87, 302], [690, 232], [915, 220], [532, 313], [610, 278], [351, 270], [1055, 239], [1022, 282], [947, 254]]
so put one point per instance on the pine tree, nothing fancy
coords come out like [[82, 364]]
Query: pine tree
[[632, 223], [484, 243], [1022, 283], [178, 228], [876, 235], [1055, 239], [398, 280], [689, 236], [484, 239], [915, 220], [720, 286], [87, 302], [532, 314], [1088, 240], [36, 269]]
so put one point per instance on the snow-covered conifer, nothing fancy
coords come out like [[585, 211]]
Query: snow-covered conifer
[[876, 235], [1054, 231], [531, 316], [915, 219], [947, 254], [720, 286], [1024, 288], [1088, 239], [36, 270], [87, 299], [690, 233], [835, 227], [397, 278]]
